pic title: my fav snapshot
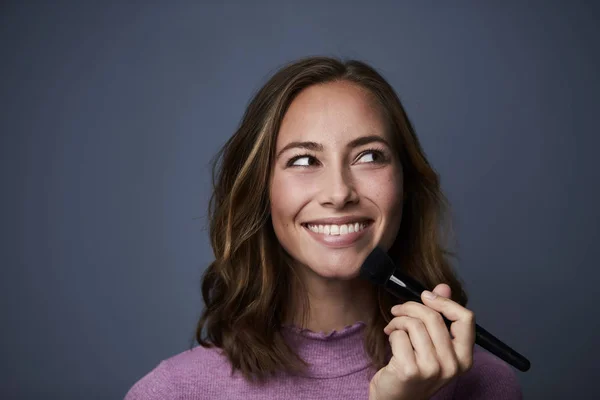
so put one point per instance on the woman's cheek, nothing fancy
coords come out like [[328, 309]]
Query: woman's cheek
[[290, 190], [380, 186]]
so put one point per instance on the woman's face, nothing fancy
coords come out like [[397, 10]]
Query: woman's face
[[336, 184]]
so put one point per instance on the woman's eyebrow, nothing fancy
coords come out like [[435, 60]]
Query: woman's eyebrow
[[363, 140], [314, 146]]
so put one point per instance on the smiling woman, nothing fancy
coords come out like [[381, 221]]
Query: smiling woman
[[324, 167], [335, 193]]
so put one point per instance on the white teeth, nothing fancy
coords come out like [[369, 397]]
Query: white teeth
[[337, 229]]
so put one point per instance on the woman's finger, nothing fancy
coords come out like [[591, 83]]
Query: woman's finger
[[462, 327], [403, 359], [424, 349], [438, 332]]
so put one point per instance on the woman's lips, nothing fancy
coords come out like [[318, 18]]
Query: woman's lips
[[337, 241]]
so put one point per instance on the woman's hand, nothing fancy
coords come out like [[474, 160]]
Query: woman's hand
[[424, 355]]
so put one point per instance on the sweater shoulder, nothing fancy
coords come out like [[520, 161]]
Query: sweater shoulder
[[186, 375], [489, 378]]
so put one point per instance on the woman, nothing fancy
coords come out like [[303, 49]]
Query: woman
[[324, 167]]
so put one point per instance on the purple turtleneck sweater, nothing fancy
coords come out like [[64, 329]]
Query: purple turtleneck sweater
[[339, 369]]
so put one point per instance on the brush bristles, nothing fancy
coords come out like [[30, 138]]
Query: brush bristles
[[378, 267]]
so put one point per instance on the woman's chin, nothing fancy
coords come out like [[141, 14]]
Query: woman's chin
[[343, 272]]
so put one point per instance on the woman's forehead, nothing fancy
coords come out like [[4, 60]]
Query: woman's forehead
[[334, 113]]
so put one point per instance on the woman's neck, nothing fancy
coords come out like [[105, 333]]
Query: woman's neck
[[333, 303]]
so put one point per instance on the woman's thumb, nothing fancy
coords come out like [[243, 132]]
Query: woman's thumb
[[443, 290]]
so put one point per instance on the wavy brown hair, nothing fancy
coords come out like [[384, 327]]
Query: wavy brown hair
[[247, 288]]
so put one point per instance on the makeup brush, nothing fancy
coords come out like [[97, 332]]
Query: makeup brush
[[380, 270]]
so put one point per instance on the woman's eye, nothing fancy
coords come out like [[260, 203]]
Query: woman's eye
[[370, 156], [302, 161]]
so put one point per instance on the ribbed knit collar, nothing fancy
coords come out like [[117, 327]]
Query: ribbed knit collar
[[330, 355]]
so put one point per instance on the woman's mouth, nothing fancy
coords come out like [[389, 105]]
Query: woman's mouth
[[338, 235]]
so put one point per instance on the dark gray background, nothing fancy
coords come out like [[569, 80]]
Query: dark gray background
[[110, 114]]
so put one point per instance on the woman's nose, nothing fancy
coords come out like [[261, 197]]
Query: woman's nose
[[338, 188]]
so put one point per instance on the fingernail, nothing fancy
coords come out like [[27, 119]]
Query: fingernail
[[429, 295]]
